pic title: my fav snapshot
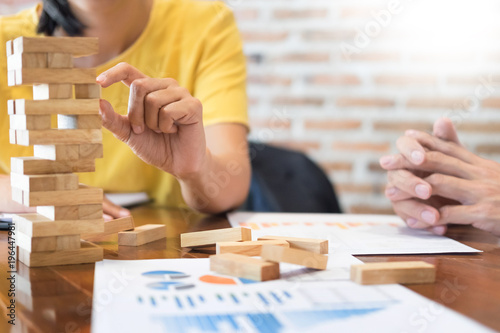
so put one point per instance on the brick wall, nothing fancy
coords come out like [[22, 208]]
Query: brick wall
[[342, 79]]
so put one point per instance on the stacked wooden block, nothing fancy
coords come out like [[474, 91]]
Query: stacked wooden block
[[234, 246], [65, 208]]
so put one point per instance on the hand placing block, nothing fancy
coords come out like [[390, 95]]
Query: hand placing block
[[405, 272], [142, 235], [210, 237], [245, 267], [307, 244], [113, 227], [252, 248], [294, 256]]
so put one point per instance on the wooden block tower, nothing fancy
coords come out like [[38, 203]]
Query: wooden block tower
[[65, 208]]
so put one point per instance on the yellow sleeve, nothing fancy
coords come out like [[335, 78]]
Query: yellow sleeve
[[221, 74]]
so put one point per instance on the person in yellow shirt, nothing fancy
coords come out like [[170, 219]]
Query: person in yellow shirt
[[179, 115]]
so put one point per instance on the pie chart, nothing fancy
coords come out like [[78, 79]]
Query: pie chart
[[165, 275], [212, 279]]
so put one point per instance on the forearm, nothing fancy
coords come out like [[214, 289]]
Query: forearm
[[221, 185], [7, 205]]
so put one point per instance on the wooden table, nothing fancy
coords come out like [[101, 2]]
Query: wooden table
[[61, 296]]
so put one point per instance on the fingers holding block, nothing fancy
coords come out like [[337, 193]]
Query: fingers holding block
[[251, 248], [211, 237], [244, 267], [307, 244], [142, 235], [294, 256], [405, 272]]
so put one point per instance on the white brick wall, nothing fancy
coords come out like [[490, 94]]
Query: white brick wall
[[422, 62]]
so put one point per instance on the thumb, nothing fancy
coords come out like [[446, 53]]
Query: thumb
[[117, 124], [445, 130]]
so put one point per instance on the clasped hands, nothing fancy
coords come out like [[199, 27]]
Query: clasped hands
[[434, 181]]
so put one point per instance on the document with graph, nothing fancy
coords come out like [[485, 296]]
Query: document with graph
[[356, 234], [182, 295]]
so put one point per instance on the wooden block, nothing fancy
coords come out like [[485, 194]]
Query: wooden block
[[210, 237], [294, 256], [113, 227], [85, 91], [405, 272], [26, 60], [82, 196], [12, 137], [245, 267], [52, 91], [55, 75], [79, 122], [59, 60], [36, 225], [251, 248], [58, 136], [77, 212], [91, 151], [52, 182], [11, 107], [57, 152], [142, 235], [307, 244], [77, 46], [9, 48], [88, 253], [17, 195], [24, 122], [11, 78], [36, 166], [57, 106], [49, 243]]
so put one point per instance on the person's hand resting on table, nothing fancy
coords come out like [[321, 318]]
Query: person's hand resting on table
[[435, 181]]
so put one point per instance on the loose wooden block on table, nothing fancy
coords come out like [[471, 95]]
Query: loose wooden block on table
[[88, 253], [142, 235], [51, 182], [210, 237], [26, 60], [79, 122], [59, 60], [57, 106], [76, 212], [52, 91], [307, 244], [36, 166], [394, 272], [81, 196], [85, 91], [58, 136], [245, 267], [48, 243], [294, 256], [76, 46], [55, 75], [112, 227], [24, 122], [251, 248], [36, 225]]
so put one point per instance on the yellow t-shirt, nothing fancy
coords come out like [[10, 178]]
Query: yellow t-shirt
[[196, 43]]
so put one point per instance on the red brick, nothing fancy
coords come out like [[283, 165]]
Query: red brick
[[254, 36], [328, 35], [271, 80], [303, 146], [299, 101], [246, 14], [402, 126], [332, 124], [336, 166], [488, 149], [358, 12], [398, 80], [493, 103], [354, 188], [444, 103], [334, 80], [364, 102], [272, 123], [299, 13], [491, 127], [383, 147]]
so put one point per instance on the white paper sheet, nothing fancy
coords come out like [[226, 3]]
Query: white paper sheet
[[356, 234], [179, 295]]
